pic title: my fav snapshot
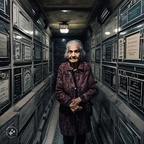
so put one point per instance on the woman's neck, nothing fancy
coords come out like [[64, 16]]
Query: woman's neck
[[74, 66]]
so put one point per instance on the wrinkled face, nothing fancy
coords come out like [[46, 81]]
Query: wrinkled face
[[73, 53]]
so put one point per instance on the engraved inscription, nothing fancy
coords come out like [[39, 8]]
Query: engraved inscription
[[27, 79], [4, 86], [3, 45], [132, 47]]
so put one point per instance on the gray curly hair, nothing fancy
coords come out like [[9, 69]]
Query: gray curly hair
[[79, 43]]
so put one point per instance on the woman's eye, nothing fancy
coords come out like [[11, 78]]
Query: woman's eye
[[76, 51], [70, 51]]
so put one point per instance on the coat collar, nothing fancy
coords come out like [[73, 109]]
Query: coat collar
[[80, 67]]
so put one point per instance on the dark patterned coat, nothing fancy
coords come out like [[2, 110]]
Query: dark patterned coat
[[66, 90]]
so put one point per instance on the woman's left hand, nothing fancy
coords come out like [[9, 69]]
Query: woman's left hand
[[74, 105]]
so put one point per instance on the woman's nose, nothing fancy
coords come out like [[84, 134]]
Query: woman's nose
[[73, 53]]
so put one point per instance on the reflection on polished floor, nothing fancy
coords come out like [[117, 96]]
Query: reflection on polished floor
[[53, 135]]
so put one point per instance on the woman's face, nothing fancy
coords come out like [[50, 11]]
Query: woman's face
[[73, 53]]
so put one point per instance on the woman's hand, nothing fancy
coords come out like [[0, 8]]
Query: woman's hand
[[77, 100], [74, 105]]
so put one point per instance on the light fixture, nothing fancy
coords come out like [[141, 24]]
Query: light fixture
[[107, 33], [63, 27]]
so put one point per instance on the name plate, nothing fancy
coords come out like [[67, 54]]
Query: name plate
[[131, 87], [27, 52], [131, 12], [93, 68], [98, 38], [45, 54], [21, 19], [17, 83], [97, 55], [110, 28], [2, 5], [5, 9], [136, 91], [110, 50], [37, 73], [37, 33], [93, 41], [134, 11], [133, 47], [15, 14], [4, 87], [108, 53], [123, 86], [18, 51], [121, 48], [44, 38], [97, 72], [37, 52], [22, 48], [47, 40], [45, 70], [27, 79], [3, 46], [109, 77], [23, 22], [93, 55]]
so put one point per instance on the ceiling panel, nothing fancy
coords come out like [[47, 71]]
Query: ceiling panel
[[77, 13], [67, 3]]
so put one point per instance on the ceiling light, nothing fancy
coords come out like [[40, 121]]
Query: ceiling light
[[63, 27], [64, 10], [107, 33], [64, 30]]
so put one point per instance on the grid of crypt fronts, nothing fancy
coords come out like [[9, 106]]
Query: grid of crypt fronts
[[116, 53], [25, 53]]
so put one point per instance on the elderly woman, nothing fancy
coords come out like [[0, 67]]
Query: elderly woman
[[75, 87]]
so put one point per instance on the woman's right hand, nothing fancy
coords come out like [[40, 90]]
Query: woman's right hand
[[74, 107]]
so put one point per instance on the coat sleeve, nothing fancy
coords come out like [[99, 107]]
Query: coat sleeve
[[61, 96], [91, 87]]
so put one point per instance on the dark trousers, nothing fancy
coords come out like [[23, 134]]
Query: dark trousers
[[80, 139]]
